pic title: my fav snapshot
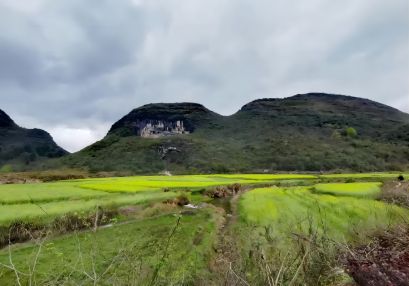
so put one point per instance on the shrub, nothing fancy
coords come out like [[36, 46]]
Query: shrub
[[6, 169], [182, 200], [351, 132], [20, 231]]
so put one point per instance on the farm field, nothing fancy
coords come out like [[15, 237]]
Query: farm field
[[290, 228], [339, 216], [20, 201], [364, 175], [371, 189], [266, 225]]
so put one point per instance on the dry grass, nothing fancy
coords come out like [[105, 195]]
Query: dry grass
[[383, 261], [395, 193]]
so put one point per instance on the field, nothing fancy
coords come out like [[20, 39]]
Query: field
[[340, 217], [268, 224], [279, 225], [371, 189], [21, 201]]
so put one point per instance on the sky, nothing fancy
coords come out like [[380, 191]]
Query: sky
[[74, 67]]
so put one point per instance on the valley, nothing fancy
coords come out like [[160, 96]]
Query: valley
[[305, 190], [230, 229]]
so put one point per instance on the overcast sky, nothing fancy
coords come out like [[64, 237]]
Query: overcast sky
[[74, 67]]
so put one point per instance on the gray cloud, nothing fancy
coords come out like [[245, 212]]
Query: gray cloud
[[73, 67]]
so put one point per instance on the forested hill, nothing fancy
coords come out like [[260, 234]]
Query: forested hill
[[305, 132], [22, 148]]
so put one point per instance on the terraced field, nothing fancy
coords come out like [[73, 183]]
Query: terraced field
[[277, 222], [368, 189], [297, 209], [273, 220], [23, 201]]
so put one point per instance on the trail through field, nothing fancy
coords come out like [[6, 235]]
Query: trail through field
[[227, 260]]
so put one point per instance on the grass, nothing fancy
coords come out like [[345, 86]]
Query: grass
[[122, 255], [80, 189], [295, 236], [33, 211], [267, 177], [31, 201], [371, 189], [272, 222], [290, 209], [364, 176], [135, 184], [47, 192], [20, 201]]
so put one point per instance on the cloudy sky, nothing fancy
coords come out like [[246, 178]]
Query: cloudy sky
[[73, 67]]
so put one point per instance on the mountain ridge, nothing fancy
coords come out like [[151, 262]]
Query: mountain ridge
[[305, 132], [22, 148]]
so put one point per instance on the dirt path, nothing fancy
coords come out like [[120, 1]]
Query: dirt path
[[226, 264]]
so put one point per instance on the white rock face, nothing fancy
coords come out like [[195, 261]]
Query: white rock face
[[155, 129]]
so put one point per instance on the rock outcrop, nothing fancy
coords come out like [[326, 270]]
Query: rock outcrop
[[161, 119], [159, 128]]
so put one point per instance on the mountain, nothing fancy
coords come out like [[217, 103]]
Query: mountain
[[188, 117], [22, 148], [305, 132]]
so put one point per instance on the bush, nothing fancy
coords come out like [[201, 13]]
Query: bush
[[351, 132], [20, 231], [6, 169], [182, 200]]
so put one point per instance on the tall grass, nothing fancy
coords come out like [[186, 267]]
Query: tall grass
[[292, 236], [365, 190]]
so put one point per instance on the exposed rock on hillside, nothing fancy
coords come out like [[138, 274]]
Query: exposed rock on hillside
[[158, 128], [161, 119]]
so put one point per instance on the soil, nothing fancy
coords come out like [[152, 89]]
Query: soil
[[383, 262]]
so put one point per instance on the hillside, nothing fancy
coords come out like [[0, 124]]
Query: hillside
[[307, 132], [22, 148]]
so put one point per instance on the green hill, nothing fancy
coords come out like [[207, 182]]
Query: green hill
[[22, 148], [307, 132]]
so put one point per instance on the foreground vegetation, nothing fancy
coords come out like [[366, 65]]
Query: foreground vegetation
[[163, 250], [283, 229], [283, 223]]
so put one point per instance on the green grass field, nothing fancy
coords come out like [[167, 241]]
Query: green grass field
[[34, 211], [302, 230], [371, 189], [365, 176], [293, 209], [138, 252], [143, 247], [23, 201]]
